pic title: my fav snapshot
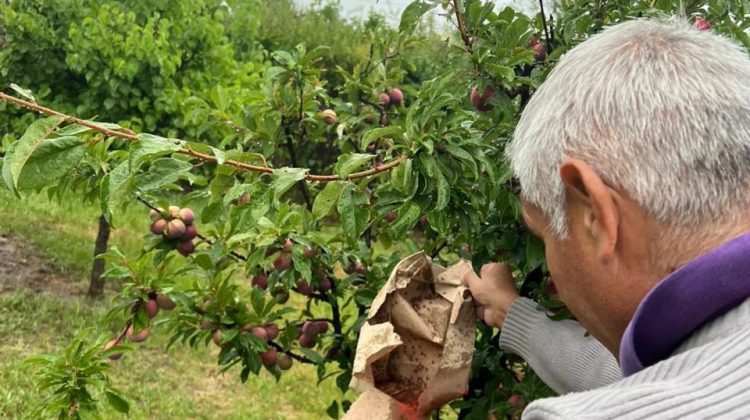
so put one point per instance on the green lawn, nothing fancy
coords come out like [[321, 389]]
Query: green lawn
[[179, 383]]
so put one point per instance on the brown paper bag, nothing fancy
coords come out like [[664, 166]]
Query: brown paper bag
[[414, 352]]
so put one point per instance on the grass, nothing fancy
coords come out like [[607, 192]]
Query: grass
[[178, 383]]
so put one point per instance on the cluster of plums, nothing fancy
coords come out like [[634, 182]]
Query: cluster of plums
[[152, 305], [176, 226], [265, 333], [309, 333]]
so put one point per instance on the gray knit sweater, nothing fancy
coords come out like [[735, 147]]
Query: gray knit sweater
[[708, 376]]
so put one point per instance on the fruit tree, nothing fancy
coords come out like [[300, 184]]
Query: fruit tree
[[268, 231]]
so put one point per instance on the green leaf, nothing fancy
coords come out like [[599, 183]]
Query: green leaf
[[53, 159], [350, 163], [117, 402], [26, 93], [407, 216], [354, 211], [326, 199], [411, 15], [149, 147], [37, 132], [443, 191], [162, 172], [116, 188], [284, 179], [377, 133]]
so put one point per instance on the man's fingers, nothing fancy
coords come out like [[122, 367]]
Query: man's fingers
[[469, 278], [496, 272], [480, 312]]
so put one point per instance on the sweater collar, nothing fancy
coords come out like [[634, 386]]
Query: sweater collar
[[683, 302]]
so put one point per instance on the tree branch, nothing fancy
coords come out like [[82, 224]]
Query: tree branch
[[131, 136]]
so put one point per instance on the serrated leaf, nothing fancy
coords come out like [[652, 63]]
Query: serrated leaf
[[284, 179], [411, 15], [25, 147], [51, 160], [162, 172], [149, 147], [326, 199], [354, 211], [350, 163]]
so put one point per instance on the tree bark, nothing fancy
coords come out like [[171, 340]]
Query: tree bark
[[96, 285]]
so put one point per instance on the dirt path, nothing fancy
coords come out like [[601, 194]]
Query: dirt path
[[23, 267]]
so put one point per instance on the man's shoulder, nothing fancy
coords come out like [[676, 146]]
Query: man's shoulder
[[710, 381]]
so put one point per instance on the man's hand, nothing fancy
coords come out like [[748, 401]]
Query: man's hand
[[493, 293]]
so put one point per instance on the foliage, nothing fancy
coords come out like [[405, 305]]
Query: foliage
[[426, 174]]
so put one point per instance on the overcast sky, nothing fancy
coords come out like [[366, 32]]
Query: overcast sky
[[392, 8]]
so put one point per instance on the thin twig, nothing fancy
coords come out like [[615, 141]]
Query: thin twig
[[544, 23]]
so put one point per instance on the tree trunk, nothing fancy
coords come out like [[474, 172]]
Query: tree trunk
[[96, 286]]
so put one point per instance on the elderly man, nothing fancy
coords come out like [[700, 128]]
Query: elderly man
[[634, 164]]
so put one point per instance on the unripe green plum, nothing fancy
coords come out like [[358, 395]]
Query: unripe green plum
[[396, 96], [269, 357], [165, 302], [109, 345], [284, 362], [260, 281], [137, 337], [152, 308], [186, 215], [175, 228], [186, 248], [216, 337]]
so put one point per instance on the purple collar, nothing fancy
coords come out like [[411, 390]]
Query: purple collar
[[684, 301]]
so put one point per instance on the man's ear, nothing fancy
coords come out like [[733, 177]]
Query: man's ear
[[589, 198]]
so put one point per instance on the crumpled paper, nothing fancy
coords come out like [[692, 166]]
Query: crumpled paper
[[414, 352]]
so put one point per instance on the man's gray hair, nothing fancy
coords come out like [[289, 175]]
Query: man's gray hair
[[660, 110]]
